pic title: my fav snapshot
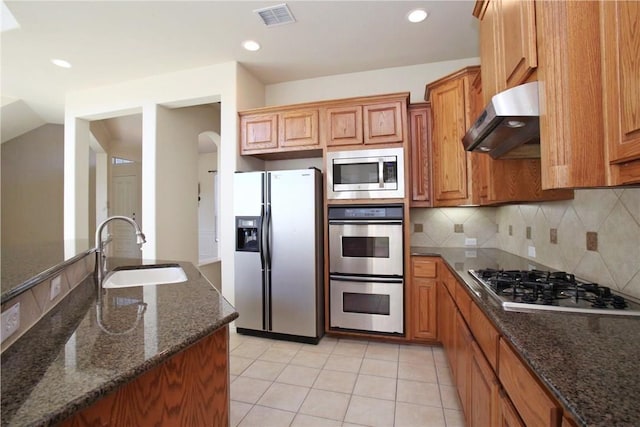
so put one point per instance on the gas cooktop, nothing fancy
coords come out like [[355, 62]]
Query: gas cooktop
[[522, 290]]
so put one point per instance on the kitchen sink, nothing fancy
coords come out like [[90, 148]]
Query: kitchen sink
[[144, 275]]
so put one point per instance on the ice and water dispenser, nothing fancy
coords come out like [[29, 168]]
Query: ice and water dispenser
[[247, 234]]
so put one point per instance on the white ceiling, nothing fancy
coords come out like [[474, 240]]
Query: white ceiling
[[112, 41]]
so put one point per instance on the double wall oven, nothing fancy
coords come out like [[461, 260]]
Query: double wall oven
[[366, 285]]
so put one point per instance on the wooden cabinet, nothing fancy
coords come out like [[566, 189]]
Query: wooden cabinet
[[345, 125], [462, 348], [279, 131], [258, 132], [486, 334], [298, 128], [620, 38], [190, 388], [367, 123], [423, 294], [507, 414], [446, 311], [484, 391], [529, 398], [451, 111], [571, 115], [420, 145]]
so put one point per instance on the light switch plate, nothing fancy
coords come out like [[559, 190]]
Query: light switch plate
[[532, 251], [10, 321], [470, 241]]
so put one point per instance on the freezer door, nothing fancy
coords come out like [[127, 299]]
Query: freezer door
[[250, 288], [294, 241]]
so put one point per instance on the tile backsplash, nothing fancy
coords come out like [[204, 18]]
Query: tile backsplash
[[596, 235]]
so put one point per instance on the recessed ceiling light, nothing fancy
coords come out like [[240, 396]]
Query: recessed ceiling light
[[417, 15], [251, 45], [61, 63]]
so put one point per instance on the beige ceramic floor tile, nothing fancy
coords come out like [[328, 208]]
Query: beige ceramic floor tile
[[415, 354], [419, 393], [260, 416], [284, 396], [342, 382], [376, 387], [309, 359], [298, 375], [326, 345], [418, 372], [410, 415], [238, 411], [326, 404], [289, 345], [449, 396], [439, 355], [343, 363], [454, 418], [238, 364], [370, 412], [264, 370], [444, 375], [380, 368], [348, 348], [249, 349], [278, 354], [302, 420], [382, 351], [248, 390]]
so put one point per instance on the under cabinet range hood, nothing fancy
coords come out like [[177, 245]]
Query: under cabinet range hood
[[509, 126]]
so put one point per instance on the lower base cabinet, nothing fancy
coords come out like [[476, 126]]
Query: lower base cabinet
[[189, 389], [484, 390], [507, 414]]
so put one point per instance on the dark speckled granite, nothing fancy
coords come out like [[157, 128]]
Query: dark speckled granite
[[68, 361], [588, 361]]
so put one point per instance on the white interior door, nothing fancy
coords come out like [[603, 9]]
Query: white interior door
[[125, 200]]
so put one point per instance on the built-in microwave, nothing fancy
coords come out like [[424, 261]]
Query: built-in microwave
[[365, 174]]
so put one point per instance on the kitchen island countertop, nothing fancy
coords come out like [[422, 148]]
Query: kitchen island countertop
[[70, 359], [588, 361]]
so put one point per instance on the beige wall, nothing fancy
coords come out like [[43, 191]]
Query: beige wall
[[32, 186], [614, 214]]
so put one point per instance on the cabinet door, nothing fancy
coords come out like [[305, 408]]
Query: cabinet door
[[621, 86], [449, 157], [424, 309], [445, 323], [298, 128], [344, 125], [507, 414], [530, 399], [519, 54], [420, 135], [490, 52], [383, 123], [259, 132], [484, 391], [463, 342]]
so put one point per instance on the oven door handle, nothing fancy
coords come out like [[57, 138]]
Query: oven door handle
[[365, 279], [365, 222]]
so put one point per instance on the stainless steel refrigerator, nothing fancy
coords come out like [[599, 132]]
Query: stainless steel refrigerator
[[279, 254]]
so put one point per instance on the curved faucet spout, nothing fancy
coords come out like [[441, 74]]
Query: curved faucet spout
[[100, 261]]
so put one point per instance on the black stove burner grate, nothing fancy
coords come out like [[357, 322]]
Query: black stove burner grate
[[549, 288]]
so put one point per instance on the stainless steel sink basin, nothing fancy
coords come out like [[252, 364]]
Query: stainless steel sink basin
[[144, 275]]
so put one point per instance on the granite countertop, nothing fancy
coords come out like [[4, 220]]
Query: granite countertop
[[588, 361], [70, 359]]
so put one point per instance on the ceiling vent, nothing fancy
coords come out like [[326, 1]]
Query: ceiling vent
[[276, 15]]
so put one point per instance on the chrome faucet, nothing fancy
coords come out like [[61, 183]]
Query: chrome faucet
[[101, 257]]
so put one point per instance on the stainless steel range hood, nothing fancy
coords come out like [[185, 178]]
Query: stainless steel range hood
[[509, 126]]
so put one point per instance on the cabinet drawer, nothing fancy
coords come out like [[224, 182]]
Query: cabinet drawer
[[485, 333], [530, 399], [424, 268]]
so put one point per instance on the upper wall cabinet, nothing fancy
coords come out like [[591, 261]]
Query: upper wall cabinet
[[451, 108], [369, 123], [507, 43], [420, 146], [620, 37], [307, 129]]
